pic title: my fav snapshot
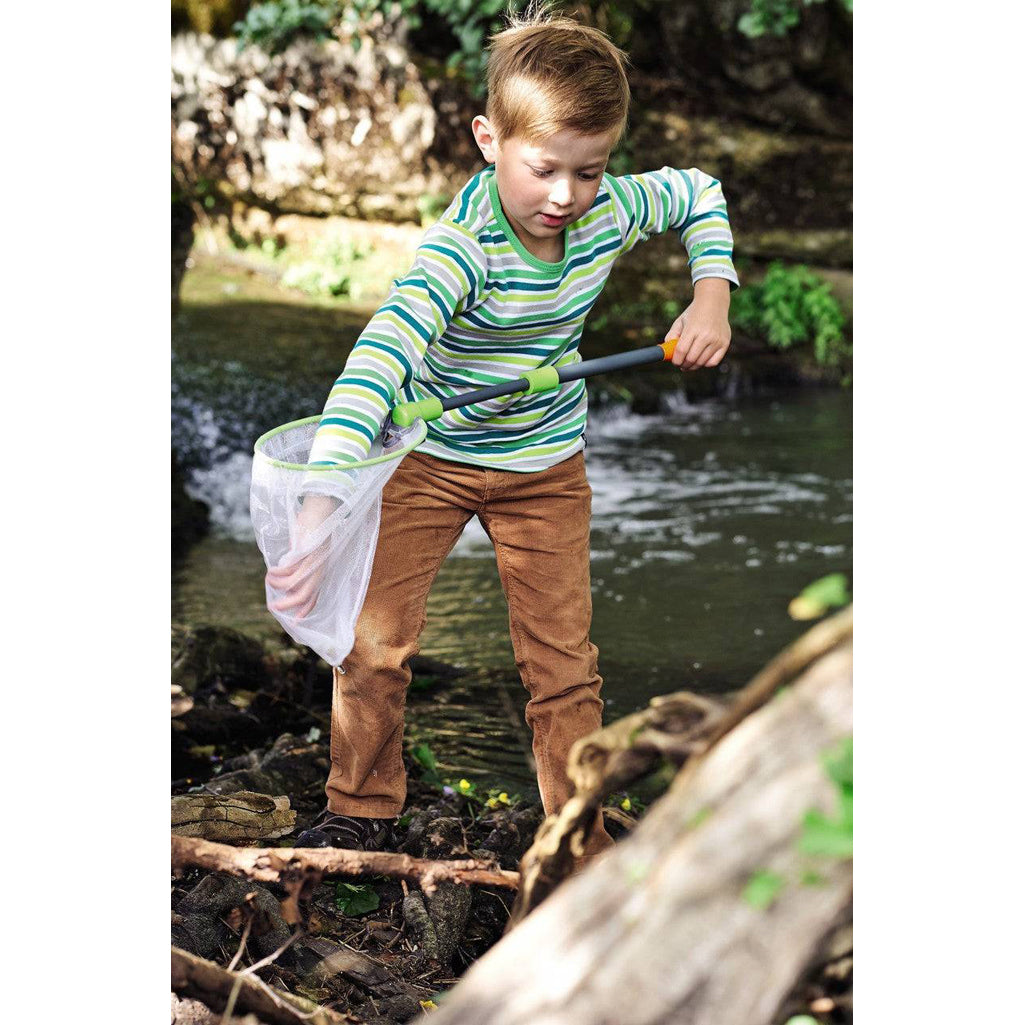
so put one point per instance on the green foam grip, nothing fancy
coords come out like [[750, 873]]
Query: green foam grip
[[542, 379], [426, 409]]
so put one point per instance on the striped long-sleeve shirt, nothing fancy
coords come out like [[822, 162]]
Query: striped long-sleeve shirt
[[477, 308]]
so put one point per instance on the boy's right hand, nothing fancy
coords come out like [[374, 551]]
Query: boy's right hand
[[301, 579]]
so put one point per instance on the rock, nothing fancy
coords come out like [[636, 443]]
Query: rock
[[803, 78], [291, 766], [399, 1008], [218, 894], [444, 838], [327, 964], [246, 760], [186, 1011], [198, 934], [307, 130], [236, 817], [438, 920], [528, 820], [246, 779], [449, 907], [204, 656], [297, 761]]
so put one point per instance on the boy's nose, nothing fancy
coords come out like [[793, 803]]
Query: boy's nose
[[561, 194]]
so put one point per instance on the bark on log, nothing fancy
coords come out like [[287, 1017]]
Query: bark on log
[[292, 865], [659, 930], [239, 817], [676, 727], [196, 977]]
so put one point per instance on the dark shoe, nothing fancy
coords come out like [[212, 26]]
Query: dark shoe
[[347, 832]]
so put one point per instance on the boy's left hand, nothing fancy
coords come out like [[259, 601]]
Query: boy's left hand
[[703, 329]]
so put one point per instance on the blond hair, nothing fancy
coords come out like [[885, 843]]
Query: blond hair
[[548, 74]]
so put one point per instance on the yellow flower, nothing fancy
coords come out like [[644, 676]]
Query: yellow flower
[[625, 804], [464, 785], [491, 802], [428, 1005], [503, 797]]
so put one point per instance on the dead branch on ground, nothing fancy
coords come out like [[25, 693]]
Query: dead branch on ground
[[307, 865]]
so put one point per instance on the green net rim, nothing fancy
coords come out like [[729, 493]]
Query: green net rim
[[315, 467]]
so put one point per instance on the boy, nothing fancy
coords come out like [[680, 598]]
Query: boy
[[502, 284]]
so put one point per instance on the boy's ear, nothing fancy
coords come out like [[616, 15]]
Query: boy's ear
[[485, 138]]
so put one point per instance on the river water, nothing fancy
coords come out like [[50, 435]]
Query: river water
[[707, 519]]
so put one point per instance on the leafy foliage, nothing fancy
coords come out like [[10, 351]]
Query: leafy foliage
[[272, 26], [329, 271], [792, 306], [275, 24], [627, 802], [356, 899], [431, 206], [833, 837], [777, 17], [829, 592], [476, 800], [424, 757]]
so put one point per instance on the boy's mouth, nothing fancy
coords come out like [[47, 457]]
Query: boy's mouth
[[553, 222]]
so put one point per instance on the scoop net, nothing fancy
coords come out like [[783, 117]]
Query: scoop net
[[331, 562]]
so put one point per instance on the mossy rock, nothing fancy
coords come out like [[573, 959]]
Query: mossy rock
[[205, 656]]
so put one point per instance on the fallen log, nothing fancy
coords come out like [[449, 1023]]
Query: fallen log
[[715, 895], [239, 816], [292, 865], [205, 981], [676, 728]]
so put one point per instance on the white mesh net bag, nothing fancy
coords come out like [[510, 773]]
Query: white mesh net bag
[[319, 564]]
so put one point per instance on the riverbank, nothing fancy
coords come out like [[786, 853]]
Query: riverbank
[[251, 730], [267, 300]]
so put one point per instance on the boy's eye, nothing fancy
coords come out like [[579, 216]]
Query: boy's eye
[[583, 175]]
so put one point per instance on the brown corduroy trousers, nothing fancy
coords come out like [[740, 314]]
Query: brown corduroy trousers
[[539, 524]]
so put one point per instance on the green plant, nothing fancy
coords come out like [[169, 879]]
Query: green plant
[[626, 802], [793, 305], [471, 22], [431, 206], [829, 592], [356, 899], [329, 271], [833, 837], [777, 17], [275, 24], [424, 757], [272, 26]]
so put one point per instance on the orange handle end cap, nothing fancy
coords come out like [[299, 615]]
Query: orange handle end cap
[[668, 348]]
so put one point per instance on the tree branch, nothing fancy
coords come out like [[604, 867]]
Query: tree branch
[[294, 866]]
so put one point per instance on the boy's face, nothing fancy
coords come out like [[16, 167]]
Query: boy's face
[[547, 185]]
